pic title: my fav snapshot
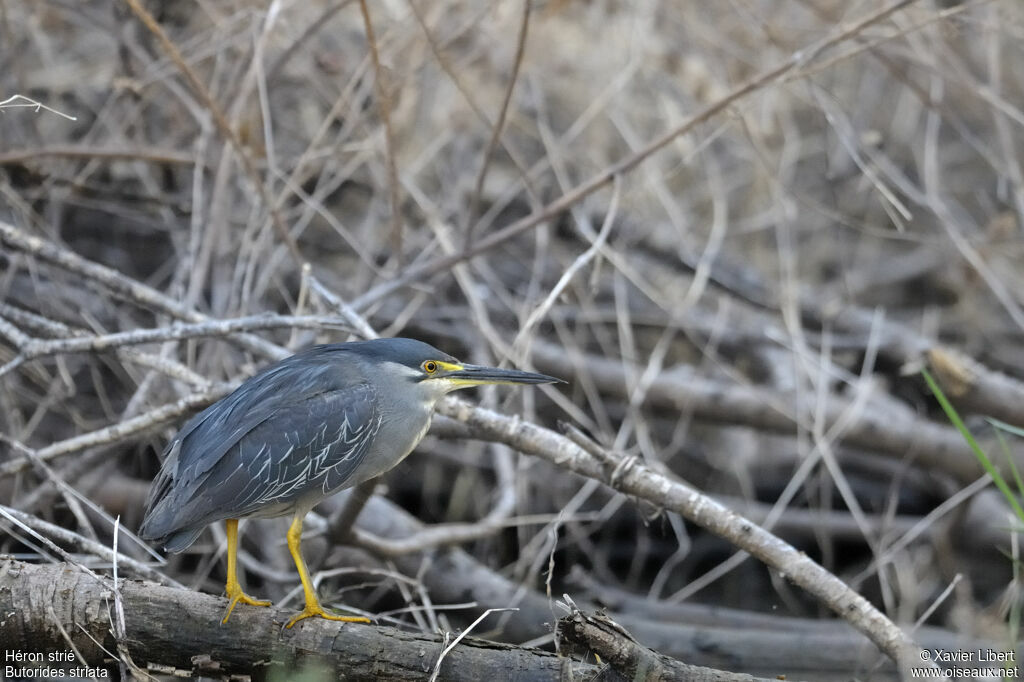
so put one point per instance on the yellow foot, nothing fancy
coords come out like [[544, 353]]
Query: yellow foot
[[238, 596], [317, 610]]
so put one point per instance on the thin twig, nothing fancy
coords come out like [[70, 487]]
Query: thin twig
[[20, 101], [220, 120], [444, 652], [36, 348], [120, 284], [122, 430], [84, 151], [41, 529], [499, 126], [383, 88]]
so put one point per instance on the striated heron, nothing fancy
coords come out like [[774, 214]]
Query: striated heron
[[320, 421]]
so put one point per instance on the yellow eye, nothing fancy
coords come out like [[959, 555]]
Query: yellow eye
[[429, 366]]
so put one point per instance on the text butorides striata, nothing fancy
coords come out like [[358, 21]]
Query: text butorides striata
[[320, 421]]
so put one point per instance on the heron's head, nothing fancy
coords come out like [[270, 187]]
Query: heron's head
[[429, 373]]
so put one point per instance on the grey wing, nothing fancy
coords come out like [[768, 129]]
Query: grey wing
[[311, 445], [226, 422], [328, 440]]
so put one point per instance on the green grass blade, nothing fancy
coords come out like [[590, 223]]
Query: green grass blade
[[979, 453], [1003, 426]]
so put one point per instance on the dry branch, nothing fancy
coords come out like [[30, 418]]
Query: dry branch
[[634, 478], [899, 435], [180, 629], [62, 535], [609, 640], [119, 284], [705, 635], [709, 636], [31, 349], [123, 430], [151, 154], [225, 128]]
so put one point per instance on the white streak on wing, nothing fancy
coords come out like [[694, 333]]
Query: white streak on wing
[[358, 443], [294, 483], [266, 465]]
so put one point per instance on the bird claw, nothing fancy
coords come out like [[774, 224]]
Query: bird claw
[[317, 610], [238, 596]]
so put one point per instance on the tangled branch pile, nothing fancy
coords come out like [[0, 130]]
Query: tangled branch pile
[[738, 229]]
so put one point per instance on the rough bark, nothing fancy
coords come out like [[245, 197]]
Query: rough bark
[[606, 638], [181, 629]]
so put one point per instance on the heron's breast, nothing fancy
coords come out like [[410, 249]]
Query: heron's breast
[[395, 441]]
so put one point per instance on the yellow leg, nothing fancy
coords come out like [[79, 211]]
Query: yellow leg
[[313, 607], [234, 590]]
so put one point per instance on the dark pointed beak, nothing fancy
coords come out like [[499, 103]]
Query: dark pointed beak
[[477, 375]]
